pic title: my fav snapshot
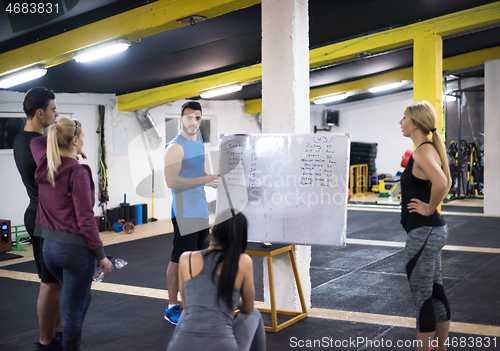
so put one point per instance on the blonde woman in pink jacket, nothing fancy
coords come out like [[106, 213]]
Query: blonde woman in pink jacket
[[65, 219]]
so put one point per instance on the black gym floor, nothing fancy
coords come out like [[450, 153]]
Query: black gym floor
[[360, 295]]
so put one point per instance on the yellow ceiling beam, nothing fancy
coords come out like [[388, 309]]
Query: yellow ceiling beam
[[453, 23], [135, 24], [362, 84], [253, 106], [178, 91], [444, 25], [470, 59]]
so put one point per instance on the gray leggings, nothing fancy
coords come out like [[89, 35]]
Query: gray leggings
[[248, 335], [424, 271]]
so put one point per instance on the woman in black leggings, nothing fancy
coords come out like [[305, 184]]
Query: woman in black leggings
[[424, 184]]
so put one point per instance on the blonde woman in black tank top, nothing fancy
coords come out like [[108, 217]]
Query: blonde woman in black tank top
[[424, 184]]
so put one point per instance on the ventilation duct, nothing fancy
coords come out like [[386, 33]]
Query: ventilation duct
[[153, 135]]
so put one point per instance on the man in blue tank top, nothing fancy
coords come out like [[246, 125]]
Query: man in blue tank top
[[185, 175]]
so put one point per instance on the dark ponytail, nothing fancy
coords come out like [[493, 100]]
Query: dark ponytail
[[231, 234]]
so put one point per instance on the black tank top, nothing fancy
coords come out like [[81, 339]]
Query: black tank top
[[416, 188]]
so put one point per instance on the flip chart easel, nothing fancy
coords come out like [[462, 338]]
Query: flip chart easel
[[291, 187], [256, 249]]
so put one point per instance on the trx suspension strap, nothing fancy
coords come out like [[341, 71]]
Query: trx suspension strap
[[103, 168]]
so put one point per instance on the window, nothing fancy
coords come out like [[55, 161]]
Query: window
[[9, 127], [11, 123], [205, 130]]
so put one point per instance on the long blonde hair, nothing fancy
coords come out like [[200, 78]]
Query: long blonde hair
[[60, 136], [423, 114]]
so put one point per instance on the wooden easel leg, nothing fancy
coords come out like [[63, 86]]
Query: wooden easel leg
[[297, 280], [274, 316]]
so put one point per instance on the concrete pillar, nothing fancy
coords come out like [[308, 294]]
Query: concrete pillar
[[492, 138], [285, 109], [285, 66]]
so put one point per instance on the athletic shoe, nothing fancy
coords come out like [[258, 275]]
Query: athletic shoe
[[55, 345], [59, 336], [25, 241], [173, 314]]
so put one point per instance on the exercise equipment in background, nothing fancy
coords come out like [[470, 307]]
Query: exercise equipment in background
[[391, 189], [127, 227], [133, 214], [391, 186], [406, 158], [364, 153], [358, 179], [103, 168], [466, 168], [153, 219]]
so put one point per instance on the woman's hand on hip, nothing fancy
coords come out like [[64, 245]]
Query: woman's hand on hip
[[420, 207]]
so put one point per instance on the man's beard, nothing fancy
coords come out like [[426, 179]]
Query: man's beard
[[186, 130]]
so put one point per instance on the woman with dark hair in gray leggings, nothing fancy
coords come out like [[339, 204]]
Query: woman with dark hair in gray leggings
[[424, 184], [211, 283]]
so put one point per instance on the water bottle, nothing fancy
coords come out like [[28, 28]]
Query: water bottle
[[99, 271]]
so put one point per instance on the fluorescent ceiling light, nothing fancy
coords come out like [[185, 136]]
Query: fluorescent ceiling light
[[22, 77], [450, 98], [384, 87], [100, 51], [220, 91], [332, 98]]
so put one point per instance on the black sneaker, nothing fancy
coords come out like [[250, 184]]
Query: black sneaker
[[55, 345], [58, 338]]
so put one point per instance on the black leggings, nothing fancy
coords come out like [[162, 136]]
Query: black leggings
[[37, 244]]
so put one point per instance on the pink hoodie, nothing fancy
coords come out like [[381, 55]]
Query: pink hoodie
[[66, 212]]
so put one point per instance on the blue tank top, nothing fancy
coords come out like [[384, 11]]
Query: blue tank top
[[192, 202]]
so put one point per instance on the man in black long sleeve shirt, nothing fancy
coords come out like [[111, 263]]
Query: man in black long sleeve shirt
[[40, 108]]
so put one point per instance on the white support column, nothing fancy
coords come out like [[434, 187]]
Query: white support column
[[286, 109], [285, 66], [492, 138]]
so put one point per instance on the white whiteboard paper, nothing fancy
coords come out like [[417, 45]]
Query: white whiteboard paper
[[291, 187]]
